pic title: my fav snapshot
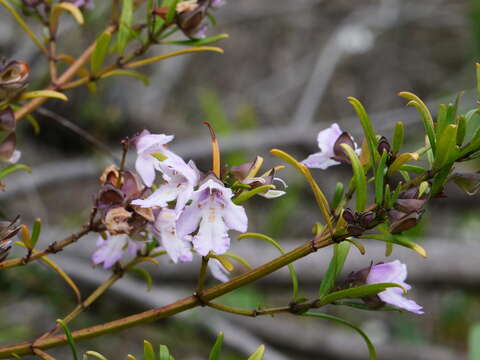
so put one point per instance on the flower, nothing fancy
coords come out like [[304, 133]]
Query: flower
[[218, 271], [214, 213], [180, 179], [393, 272], [267, 180], [331, 153], [113, 248], [179, 249]]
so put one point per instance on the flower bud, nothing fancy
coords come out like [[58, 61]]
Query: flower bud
[[403, 223], [384, 145], [190, 19], [7, 149], [8, 229], [339, 153], [7, 120], [13, 79]]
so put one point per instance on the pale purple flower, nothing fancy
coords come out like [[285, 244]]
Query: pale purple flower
[[180, 179], [218, 271], [215, 4], [179, 249], [146, 164], [393, 272], [213, 213], [112, 249], [330, 152]]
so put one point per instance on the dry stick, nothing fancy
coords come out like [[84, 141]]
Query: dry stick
[[52, 249], [64, 78], [176, 307]]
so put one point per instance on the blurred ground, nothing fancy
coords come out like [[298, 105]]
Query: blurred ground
[[286, 72]]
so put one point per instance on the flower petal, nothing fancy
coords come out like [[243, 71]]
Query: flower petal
[[212, 234], [235, 217], [217, 270], [145, 166], [319, 160]]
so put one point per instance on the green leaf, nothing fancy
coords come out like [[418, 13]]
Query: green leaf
[[199, 42], [462, 129], [473, 145], [400, 161], [217, 347], [447, 147], [367, 127], [358, 292], [442, 120], [398, 240], [148, 352], [70, 339], [12, 168], [340, 253], [371, 348], [130, 73], [34, 123], [43, 94], [172, 7], [258, 354], [338, 196], [145, 274], [238, 258], [413, 168], [398, 136], [96, 355], [126, 18], [101, 50], [226, 263], [380, 179], [163, 353], [245, 195], [474, 341], [37, 227], [440, 179], [425, 114], [291, 268], [359, 178]]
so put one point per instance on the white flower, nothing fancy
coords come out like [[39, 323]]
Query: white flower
[[218, 271], [213, 213], [179, 249], [113, 248], [331, 153]]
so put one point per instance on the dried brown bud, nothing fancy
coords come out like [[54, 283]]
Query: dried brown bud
[[405, 223], [13, 79], [7, 120], [191, 21], [109, 175], [116, 220], [7, 149], [109, 195]]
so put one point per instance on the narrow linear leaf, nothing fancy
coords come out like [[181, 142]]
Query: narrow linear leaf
[[340, 253], [57, 10], [12, 168], [96, 355], [367, 126], [245, 195], [371, 348], [217, 348], [338, 195], [44, 94], [474, 342], [37, 227], [148, 352], [398, 240], [258, 354], [238, 258], [398, 136], [145, 275], [126, 17], [101, 50], [70, 340], [163, 352], [359, 178], [133, 74], [291, 268], [199, 42], [358, 292], [425, 114], [461, 129], [400, 161], [380, 179], [318, 193], [226, 263], [446, 147]]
